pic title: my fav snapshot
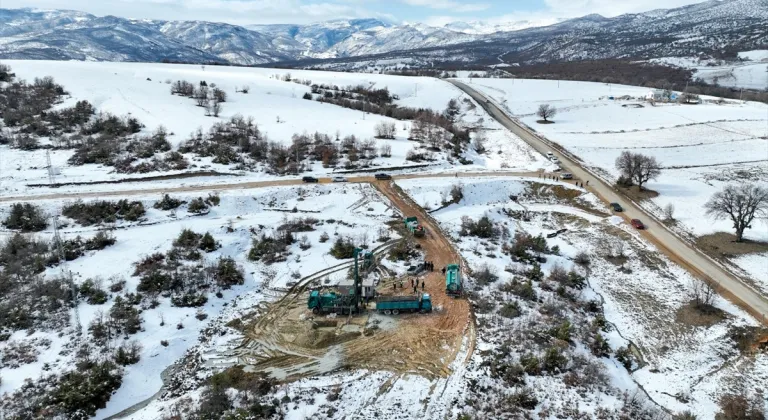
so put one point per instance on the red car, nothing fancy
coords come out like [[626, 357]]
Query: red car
[[637, 224]]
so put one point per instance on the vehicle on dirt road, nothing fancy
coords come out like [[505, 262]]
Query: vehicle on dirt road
[[393, 305], [413, 226], [383, 177], [566, 175], [637, 224], [616, 207], [309, 179], [339, 179], [453, 286]]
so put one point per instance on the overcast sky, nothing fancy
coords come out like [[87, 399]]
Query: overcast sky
[[305, 11]]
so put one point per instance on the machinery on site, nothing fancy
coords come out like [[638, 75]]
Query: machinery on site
[[342, 303], [453, 284], [393, 305], [413, 226]]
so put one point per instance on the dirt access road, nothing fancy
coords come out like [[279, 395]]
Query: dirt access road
[[243, 185], [673, 246], [288, 342]]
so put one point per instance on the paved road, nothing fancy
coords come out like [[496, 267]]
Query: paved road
[[673, 246], [243, 185]]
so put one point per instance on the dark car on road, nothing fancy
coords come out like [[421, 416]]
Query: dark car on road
[[637, 224], [310, 179], [383, 177], [616, 207]]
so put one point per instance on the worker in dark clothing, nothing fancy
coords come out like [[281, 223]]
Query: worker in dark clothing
[[422, 285], [587, 182], [414, 289], [394, 286], [443, 270]]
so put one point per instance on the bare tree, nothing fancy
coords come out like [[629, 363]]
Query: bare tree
[[385, 130], [219, 95], [701, 294], [479, 140], [215, 108], [546, 111], [669, 212], [201, 95], [742, 204], [385, 150], [638, 167]]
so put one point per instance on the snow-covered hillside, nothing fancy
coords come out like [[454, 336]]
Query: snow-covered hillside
[[682, 367], [709, 28], [278, 108]]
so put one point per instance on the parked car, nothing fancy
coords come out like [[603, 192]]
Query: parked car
[[550, 155], [637, 224], [566, 175], [310, 179], [554, 159], [339, 179], [383, 177], [616, 207]]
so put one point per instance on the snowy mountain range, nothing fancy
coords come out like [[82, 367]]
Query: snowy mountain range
[[718, 27]]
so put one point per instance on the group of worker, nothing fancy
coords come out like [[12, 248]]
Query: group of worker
[[414, 284], [429, 266]]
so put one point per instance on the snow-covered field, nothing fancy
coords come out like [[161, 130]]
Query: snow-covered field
[[641, 297], [241, 216], [702, 147], [141, 90]]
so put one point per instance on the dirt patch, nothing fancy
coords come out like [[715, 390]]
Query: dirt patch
[[688, 314], [288, 342], [724, 245], [636, 194]]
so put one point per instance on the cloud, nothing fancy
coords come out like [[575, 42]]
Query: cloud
[[458, 7]]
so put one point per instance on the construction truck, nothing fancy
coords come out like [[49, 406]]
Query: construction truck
[[413, 226], [453, 286], [393, 305], [339, 303], [331, 303]]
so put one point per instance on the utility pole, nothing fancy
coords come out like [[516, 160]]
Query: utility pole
[[51, 179]]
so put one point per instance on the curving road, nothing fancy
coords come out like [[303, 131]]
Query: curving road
[[677, 249]]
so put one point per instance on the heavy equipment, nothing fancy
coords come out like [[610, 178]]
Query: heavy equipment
[[342, 303], [393, 305], [412, 224], [453, 286]]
